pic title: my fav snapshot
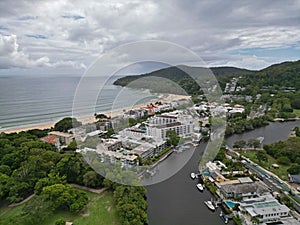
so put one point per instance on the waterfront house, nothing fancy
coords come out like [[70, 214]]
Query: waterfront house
[[263, 209], [243, 190]]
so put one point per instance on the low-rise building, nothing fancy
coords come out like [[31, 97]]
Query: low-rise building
[[243, 190], [51, 139], [264, 209], [64, 138]]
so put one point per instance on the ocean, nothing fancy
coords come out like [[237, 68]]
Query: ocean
[[26, 100]]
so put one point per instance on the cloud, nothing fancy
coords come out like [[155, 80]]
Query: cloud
[[77, 32], [12, 56], [248, 62]]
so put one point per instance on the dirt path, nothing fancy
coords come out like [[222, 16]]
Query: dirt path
[[98, 191], [22, 202]]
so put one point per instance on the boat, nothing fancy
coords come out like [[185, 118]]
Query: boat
[[200, 187], [193, 175], [210, 205], [224, 217]]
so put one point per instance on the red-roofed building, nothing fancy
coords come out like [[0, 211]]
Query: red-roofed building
[[51, 139]]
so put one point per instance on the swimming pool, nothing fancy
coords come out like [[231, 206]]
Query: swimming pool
[[230, 204], [206, 174]]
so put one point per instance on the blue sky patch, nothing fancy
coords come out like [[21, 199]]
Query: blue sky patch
[[37, 36], [74, 17]]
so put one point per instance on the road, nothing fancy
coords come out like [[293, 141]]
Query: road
[[274, 183]]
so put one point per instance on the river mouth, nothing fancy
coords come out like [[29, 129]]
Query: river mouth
[[177, 201]]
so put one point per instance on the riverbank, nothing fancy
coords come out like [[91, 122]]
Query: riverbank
[[91, 119]]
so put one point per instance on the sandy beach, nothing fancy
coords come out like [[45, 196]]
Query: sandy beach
[[90, 119]]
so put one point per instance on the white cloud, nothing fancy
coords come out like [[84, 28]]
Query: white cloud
[[69, 33], [12, 56], [248, 62]]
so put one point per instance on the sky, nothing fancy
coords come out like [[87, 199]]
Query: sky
[[66, 36]]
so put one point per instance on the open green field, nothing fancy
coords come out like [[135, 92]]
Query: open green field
[[100, 210], [297, 112], [280, 172]]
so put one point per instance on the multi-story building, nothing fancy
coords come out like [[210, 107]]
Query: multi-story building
[[112, 144], [158, 126], [264, 209]]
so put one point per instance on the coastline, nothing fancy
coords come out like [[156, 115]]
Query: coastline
[[90, 119]]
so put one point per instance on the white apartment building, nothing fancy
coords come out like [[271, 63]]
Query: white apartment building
[[159, 125]]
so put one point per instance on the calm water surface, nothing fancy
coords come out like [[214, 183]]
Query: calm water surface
[[177, 201]]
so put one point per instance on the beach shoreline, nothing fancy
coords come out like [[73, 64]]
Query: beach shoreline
[[90, 119]]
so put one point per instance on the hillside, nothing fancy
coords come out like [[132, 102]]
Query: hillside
[[282, 75]]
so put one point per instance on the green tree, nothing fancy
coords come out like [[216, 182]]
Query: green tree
[[66, 124], [101, 117], [173, 138], [60, 221], [239, 144], [294, 169], [221, 155], [261, 156], [72, 146], [284, 160], [65, 197], [48, 181], [254, 143], [92, 179]]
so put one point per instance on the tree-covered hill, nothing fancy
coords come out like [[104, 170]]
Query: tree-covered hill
[[283, 75], [178, 76]]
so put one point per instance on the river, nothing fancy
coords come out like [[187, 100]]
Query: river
[[177, 201]]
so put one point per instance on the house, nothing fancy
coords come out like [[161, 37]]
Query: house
[[64, 138], [243, 190], [295, 178], [51, 139], [218, 177], [264, 209]]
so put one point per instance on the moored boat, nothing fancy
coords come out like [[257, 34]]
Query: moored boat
[[193, 175], [200, 187], [210, 205], [224, 217]]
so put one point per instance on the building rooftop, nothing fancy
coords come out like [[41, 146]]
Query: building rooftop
[[61, 134], [52, 139], [264, 205], [167, 116], [169, 125], [245, 180], [244, 188]]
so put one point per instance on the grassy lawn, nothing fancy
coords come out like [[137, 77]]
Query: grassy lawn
[[297, 112], [280, 172], [100, 211]]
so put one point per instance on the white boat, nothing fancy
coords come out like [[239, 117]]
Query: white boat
[[200, 187], [210, 205], [193, 175]]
